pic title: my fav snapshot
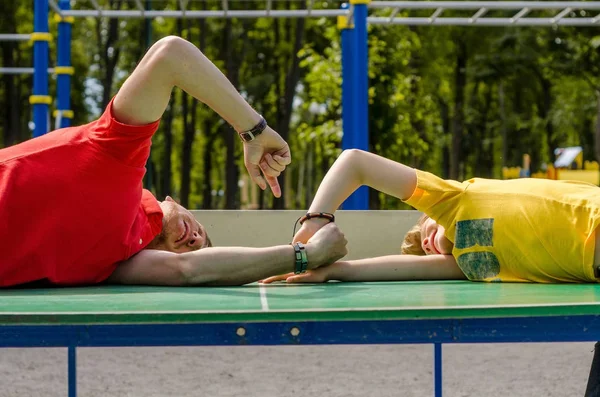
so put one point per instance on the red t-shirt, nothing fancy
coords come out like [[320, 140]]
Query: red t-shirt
[[72, 204]]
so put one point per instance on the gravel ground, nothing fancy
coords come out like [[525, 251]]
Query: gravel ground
[[511, 370]]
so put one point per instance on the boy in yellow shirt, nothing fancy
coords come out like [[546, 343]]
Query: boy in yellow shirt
[[524, 230]]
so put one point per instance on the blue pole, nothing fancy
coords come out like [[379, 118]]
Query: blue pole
[[347, 84], [40, 99], [359, 105], [72, 362], [437, 371], [63, 69]]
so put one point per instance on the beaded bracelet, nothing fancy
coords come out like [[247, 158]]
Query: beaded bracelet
[[311, 215], [301, 258]]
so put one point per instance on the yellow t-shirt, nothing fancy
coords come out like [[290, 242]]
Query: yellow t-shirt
[[535, 230]]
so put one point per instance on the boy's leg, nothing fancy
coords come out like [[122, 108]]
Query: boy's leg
[[593, 385]]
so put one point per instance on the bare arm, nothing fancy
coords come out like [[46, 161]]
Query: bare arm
[[355, 168], [172, 62], [227, 265], [397, 268], [175, 62], [209, 266], [383, 268]]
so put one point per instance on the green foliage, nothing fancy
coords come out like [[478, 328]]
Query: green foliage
[[526, 90]]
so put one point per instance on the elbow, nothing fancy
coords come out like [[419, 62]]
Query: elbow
[[352, 160], [167, 53]]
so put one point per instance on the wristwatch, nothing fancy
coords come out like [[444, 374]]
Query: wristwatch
[[250, 135]]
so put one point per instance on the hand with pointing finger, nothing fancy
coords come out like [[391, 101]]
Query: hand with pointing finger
[[265, 159]]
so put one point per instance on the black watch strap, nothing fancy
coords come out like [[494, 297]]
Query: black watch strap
[[250, 135]]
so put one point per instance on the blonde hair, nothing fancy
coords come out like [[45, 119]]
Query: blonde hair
[[412, 240]]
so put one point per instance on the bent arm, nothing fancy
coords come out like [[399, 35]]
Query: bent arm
[[355, 168], [209, 266], [175, 62], [396, 268]]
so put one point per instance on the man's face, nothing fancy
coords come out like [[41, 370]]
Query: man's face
[[181, 231], [433, 239]]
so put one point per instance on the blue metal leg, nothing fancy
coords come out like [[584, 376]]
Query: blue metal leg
[[437, 371], [72, 371]]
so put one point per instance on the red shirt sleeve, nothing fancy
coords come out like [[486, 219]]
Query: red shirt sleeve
[[129, 144]]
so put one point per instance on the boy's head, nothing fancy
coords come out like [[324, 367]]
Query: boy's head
[[426, 237], [181, 231]]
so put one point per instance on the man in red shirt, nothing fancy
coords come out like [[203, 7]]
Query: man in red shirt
[[73, 210]]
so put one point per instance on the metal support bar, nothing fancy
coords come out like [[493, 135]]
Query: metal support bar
[[183, 6], [355, 96], [140, 6], [41, 112], [596, 18], [21, 70], [437, 368], [55, 7], [72, 364], [394, 13], [519, 15], [310, 6], [436, 14], [478, 14], [198, 14], [484, 21], [561, 14], [100, 12], [63, 63], [225, 7], [490, 5], [14, 37], [269, 7]]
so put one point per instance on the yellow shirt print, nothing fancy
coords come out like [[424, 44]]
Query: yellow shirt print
[[520, 230]]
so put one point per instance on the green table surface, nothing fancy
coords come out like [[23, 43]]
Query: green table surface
[[281, 302]]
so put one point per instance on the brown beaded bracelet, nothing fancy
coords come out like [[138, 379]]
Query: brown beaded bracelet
[[311, 215]]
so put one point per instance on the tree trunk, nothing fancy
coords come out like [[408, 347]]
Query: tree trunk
[[108, 52], [168, 145], [459, 98], [504, 127], [289, 90], [12, 122], [207, 202], [11, 82], [189, 127], [231, 167]]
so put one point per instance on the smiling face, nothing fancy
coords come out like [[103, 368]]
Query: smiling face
[[433, 239], [181, 231]]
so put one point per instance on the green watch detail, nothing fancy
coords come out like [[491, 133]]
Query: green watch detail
[[301, 258]]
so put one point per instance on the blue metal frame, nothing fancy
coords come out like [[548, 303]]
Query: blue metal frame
[[40, 65], [63, 80], [355, 94], [467, 330]]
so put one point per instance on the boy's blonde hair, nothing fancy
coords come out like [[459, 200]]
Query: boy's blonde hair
[[412, 240]]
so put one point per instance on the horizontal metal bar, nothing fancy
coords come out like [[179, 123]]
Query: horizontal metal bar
[[484, 21], [460, 330], [14, 37], [206, 14], [490, 5], [21, 70]]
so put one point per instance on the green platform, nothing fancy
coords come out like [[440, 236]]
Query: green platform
[[281, 302]]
